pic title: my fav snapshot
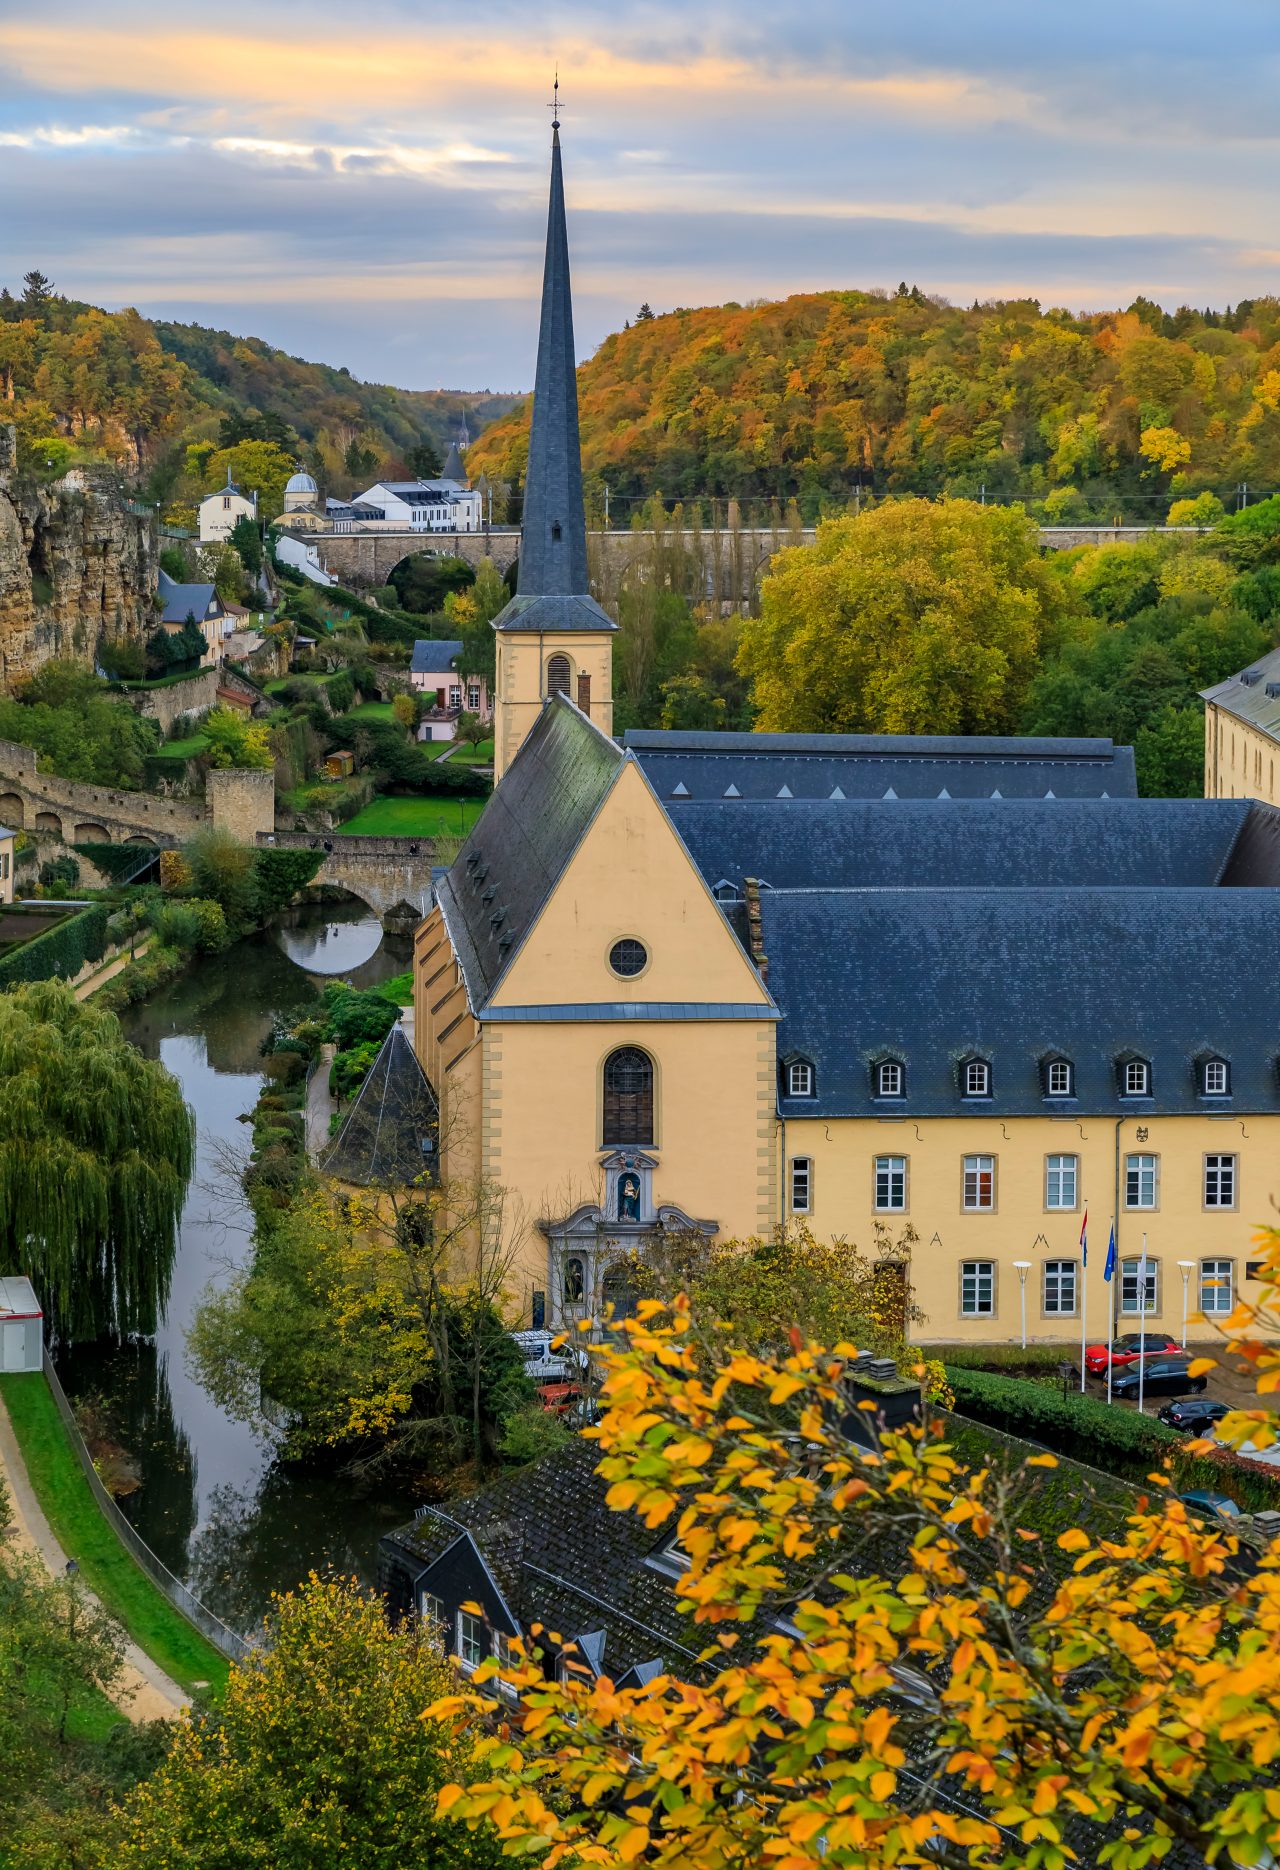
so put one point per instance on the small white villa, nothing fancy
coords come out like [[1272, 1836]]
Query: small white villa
[[219, 511]]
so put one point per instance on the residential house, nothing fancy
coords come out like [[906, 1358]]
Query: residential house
[[303, 556], [201, 602], [434, 670], [219, 511], [8, 842]]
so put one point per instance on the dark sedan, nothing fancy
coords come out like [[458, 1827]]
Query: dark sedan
[[1163, 1376], [1193, 1417]]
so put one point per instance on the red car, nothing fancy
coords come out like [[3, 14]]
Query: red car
[[1125, 1351]]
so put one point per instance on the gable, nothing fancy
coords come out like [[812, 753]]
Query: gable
[[630, 877]]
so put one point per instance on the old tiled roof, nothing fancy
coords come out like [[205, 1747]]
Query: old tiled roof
[[523, 841], [858, 843], [184, 600], [1016, 976], [434, 656], [873, 766], [388, 1138], [1253, 695]]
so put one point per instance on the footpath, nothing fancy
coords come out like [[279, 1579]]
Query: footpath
[[143, 1692]]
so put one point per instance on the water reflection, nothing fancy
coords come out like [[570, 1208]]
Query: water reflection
[[212, 1499]]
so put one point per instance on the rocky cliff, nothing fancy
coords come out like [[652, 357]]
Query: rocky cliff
[[75, 567]]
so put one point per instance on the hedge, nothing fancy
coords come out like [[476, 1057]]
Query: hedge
[[117, 860], [1108, 1436], [62, 951]]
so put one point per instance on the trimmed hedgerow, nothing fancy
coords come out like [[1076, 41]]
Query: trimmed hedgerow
[[61, 951]]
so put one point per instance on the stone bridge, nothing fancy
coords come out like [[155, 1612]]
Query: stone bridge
[[363, 561], [392, 875]]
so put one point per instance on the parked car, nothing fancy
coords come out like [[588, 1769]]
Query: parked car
[[1125, 1350], [1161, 1376], [1211, 1505], [1193, 1417]]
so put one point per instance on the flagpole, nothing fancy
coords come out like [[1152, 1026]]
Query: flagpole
[[1084, 1294], [1109, 1276], [1142, 1322]]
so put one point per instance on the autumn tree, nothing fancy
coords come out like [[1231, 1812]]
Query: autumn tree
[[259, 467], [906, 1660], [318, 1754], [914, 618]]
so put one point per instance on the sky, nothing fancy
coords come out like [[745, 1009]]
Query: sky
[[365, 182]]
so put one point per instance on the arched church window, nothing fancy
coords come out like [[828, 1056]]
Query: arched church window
[[558, 675], [574, 1281], [628, 1096]]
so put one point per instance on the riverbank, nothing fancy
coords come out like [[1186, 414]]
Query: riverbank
[[170, 1658]]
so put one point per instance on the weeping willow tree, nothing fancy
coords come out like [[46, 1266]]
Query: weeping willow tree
[[96, 1150]]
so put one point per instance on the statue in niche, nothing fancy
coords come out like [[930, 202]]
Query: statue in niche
[[574, 1285], [629, 1196]]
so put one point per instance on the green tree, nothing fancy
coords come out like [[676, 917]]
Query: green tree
[[247, 541], [259, 467], [235, 741], [422, 582], [424, 459], [225, 870], [96, 1150], [322, 1753], [914, 618], [690, 703]]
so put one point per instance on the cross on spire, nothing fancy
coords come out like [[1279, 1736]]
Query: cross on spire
[[554, 105]]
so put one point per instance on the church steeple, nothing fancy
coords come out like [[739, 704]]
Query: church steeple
[[553, 637], [553, 542]]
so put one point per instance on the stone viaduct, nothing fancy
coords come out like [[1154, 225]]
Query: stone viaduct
[[363, 561], [392, 875]]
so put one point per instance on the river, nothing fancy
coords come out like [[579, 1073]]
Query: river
[[232, 1522]]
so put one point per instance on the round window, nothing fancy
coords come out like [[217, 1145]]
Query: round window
[[628, 957]]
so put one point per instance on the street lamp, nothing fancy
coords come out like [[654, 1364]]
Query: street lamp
[[1022, 1268], [1186, 1268]]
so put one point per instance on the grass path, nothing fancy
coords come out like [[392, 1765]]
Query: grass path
[[172, 1658]]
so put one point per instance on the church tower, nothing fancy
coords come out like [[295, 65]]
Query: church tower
[[553, 638]]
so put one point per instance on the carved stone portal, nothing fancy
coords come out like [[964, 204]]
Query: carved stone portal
[[586, 1251]]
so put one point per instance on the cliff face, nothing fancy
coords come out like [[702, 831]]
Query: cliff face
[[74, 567]]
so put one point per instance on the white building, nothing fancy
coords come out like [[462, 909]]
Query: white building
[[419, 506], [304, 557], [220, 510], [300, 493]]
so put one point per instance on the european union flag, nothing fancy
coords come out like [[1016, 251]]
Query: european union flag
[[1110, 1266]]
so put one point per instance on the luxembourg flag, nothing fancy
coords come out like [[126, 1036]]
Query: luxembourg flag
[[1084, 1239]]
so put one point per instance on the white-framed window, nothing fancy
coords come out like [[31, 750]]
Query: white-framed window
[[979, 1183], [1131, 1286], [889, 1078], [1215, 1079], [977, 1288], [1135, 1078], [1217, 1286], [470, 1640], [800, 1078], [1140, 1181], [455, 695], [1058, 1079], [977, 1078], [1061, 1174], [473, 697], [1059, 1288], [801, 1184], [891, 1184], [432, 1611], [1219, 1181]]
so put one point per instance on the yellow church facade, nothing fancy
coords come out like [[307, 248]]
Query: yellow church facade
[[974, 991]]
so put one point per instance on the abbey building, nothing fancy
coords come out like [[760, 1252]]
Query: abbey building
[[971, 987]]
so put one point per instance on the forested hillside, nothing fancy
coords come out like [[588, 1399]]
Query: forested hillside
[[825, 393], [120, 387]]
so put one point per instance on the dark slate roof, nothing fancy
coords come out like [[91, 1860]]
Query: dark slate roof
[[454, 468], [552, 615], [183, 600], [859, 843], [871, 766], [522, 842], [562, 1558], [1018, 976], [389, 1136], [434, 656], [1253, 695]]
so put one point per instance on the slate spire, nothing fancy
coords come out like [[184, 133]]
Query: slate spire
[[553, 541]]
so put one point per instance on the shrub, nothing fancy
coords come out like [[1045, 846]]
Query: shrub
[[350, 1069], [176, 925], [59, 870], [62, 951], [1083, 1427], [357, 1018], [224, 869], [280, 874], [341, 691]]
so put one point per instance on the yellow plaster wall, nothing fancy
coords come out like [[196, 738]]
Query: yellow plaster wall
[[713, 1119], [520, 687], [1240, 762], [843, 1154], [446, 1039], [631, 876]]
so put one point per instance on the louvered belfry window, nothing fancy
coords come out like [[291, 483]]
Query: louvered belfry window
[[628, 1096], [558, 675]]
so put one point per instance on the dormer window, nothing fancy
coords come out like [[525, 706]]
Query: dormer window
[[799, 1078], [1059, 1078], [975, 1078], [1215, 1078], [1135, 1078], [555, 532], [890, 1078]]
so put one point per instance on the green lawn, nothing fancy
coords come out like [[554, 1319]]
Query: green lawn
[[84, 1534], [371, 711], [465, 755], [183, 749], [413, 818]]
